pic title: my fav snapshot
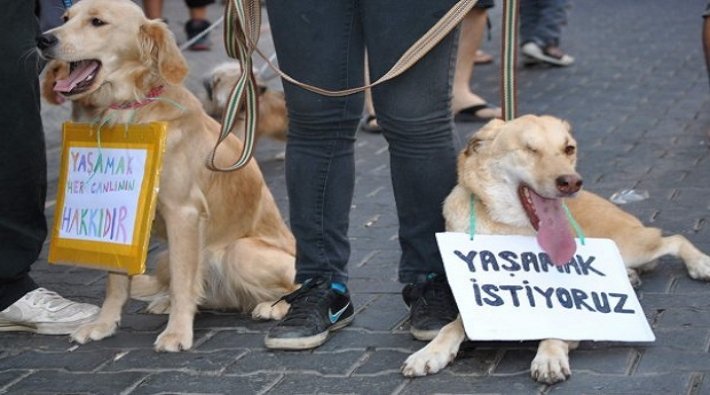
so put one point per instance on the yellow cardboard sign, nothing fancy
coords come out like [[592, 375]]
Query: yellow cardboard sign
[[106, 197]]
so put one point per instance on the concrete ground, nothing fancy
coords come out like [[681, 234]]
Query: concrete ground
[[637, 98]]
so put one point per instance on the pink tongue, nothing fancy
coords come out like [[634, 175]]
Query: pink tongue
[[77, 75], [554, 234]]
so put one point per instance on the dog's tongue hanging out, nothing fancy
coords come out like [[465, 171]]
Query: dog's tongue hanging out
[[548, 217], [81, 73]]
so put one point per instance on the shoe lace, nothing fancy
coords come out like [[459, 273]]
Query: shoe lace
[[45, 297], [304, 301], [436, 295]]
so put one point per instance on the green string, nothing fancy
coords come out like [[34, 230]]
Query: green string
[[575, 225]]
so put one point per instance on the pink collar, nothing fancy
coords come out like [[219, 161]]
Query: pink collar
[[150, 97]]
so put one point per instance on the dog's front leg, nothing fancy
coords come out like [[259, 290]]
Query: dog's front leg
[[184, 249], [551, 363], [438, 353], [117, 290]]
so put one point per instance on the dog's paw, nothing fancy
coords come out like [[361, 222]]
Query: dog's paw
[[94, 331], [270, 311], [173, 341], [425, 362], [159, 306], [550, 367], [634, 277], [700, 269]]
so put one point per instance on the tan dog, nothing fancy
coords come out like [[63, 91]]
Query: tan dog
[[272, 118], [228, 246], [519, 172]]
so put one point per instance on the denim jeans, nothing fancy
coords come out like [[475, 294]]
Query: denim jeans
[[541, 21], [322, 42], [23, 166]]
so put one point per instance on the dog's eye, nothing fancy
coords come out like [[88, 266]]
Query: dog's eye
[[97, 22], [531, 149], [569, 150], [65, 18]]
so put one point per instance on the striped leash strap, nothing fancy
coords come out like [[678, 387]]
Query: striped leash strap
[[241, 35], [509, 49]]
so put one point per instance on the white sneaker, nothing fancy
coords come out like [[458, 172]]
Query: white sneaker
[[46, 312], [533, 53]]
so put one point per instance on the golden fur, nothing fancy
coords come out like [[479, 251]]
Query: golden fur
[[228, 246], [536, 151]]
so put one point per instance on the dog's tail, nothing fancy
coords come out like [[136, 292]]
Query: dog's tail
[[147, 288]]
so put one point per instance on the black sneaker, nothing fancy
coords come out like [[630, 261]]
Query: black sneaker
[[316, 309], [431, 306], [195, 27]]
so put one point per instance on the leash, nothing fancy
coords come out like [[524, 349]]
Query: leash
[[241, 33], [509, 98]]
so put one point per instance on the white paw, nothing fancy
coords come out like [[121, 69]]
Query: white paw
[[174, 341], [550, 368], [94, 331], [270, 311], [425, 362], [700, 270]]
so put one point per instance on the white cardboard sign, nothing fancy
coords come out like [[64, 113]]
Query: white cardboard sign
[[102, 194], [507, 288]]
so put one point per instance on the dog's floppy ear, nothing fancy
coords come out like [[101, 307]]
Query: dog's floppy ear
[[486, 133], [158, 43]]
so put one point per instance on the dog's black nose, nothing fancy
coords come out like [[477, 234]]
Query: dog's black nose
[[569, 184], [46, 41]]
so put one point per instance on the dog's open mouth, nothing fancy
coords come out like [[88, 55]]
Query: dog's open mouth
[[548, 218], [82, 76]]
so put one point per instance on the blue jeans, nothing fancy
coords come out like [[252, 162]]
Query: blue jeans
[[541, 21], [322, 42]]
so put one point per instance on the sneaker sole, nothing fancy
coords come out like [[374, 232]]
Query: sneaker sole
[[541, 57], [305, 343], [45, 328]]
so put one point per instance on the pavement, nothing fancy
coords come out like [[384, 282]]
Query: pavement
[[638, 100]]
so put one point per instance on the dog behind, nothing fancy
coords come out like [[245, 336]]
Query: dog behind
[[519, 173], [227, 245], [218, 84]]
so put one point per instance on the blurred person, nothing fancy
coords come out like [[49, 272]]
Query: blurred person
[[23, 175], [197, 23], [541, 24]]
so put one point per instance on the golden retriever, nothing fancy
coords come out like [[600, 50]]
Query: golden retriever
[[227, 244], [516, 171], [218, 84]]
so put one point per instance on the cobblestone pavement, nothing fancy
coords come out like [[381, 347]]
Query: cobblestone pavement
[[638, 101]]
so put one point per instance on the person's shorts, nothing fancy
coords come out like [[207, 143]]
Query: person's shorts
[[485, 4]]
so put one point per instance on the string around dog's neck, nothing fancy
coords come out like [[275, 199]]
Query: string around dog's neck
[[472, 220], [152, 95]]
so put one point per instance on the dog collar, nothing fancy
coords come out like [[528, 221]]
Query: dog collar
[[150, 97]]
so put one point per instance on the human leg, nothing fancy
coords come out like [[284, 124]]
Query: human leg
[[198, 23], [23, 226], [327, 52], [541, 28], [153, 9], [466, 105], [414, 111]]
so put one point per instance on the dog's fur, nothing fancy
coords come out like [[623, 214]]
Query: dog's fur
[[218, 84], [228, 246], [540, 153]]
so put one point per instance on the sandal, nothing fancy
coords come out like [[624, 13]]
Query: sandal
[[470, 114]]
